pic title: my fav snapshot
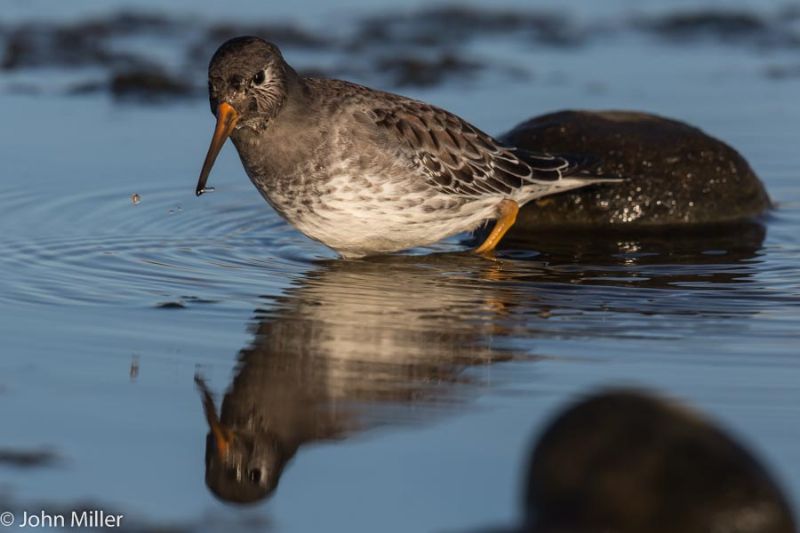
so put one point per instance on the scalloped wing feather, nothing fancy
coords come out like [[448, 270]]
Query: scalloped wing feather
[[459, 159]]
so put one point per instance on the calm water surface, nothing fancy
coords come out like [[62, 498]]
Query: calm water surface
[[412, 384]]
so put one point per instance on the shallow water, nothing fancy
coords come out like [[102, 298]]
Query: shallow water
[[426, 374]]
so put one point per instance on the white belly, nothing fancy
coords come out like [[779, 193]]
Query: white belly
[[359, 222]]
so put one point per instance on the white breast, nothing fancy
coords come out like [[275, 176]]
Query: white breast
[[369, 215]]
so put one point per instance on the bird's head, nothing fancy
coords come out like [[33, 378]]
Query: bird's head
[[247, 85], [241, 466]]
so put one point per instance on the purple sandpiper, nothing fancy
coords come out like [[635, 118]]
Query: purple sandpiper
[[369, 172]]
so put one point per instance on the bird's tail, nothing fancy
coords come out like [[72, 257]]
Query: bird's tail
[[547, 167]]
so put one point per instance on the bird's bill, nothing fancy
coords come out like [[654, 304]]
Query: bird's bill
[[222, 435], [226, 120]]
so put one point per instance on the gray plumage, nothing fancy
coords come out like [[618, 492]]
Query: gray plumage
[[365, 171]]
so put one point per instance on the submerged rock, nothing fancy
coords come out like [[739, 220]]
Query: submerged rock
[[25, 458], [451, 26], [675, 174], [417, 71], [724, 24], [148, 84], [629, 461], [81, 44]]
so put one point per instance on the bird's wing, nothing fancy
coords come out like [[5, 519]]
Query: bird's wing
[[459, 159]]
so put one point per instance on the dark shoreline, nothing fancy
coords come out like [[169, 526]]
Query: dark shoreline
[[423, 48]]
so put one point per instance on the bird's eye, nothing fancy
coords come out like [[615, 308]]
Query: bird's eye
[[255, 475], [259, 78]]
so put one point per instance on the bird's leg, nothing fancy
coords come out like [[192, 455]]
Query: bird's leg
[[508, 210]]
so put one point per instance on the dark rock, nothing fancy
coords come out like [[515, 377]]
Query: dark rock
[[674, 174], [134, 22], [148, 84], [412, 70], [34, 45], [452, 26], [707, 23], [19, 458], [82, 44], [737, 27], [627, 461], [170, 305], [284, 35]]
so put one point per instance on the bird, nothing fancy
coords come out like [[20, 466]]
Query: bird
[[368, 172]]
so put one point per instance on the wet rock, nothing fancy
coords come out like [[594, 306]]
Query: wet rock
[[423, 47], [19, 458], [122, 23], [675, 174], [36, 45], [452, 26], [730, 26], [171, 305], [414, 70], [148, 84], [628, 461], [45, 44], [708, 22]]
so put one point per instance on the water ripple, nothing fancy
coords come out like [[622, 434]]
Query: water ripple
[[231, 249], [112, 251]]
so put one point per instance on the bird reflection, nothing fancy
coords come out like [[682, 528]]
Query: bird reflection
[[353, 337], [355, 344]]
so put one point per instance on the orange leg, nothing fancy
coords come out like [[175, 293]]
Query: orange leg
[[508, 210]]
